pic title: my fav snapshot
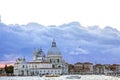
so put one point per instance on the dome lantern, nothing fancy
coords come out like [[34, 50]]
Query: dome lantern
[[53, 43]]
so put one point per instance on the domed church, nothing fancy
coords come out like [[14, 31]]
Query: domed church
[[42, 64], [54, 55]]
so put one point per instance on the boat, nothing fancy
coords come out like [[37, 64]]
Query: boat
[[51, 76], [73, 77]]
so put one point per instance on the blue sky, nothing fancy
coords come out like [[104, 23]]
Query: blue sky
[[76, 43]]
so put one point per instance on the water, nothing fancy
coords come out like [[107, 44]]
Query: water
[[83, 77]]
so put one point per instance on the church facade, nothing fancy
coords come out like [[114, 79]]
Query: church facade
[[42, 64]]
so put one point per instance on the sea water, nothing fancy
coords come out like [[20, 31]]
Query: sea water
[[83, 77]]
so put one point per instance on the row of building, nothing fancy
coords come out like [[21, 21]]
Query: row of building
[[53, 63], [89, 68]]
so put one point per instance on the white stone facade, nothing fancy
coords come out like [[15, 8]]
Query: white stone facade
[[41, 64]]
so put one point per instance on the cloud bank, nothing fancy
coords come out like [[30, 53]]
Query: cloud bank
[[76, 43]]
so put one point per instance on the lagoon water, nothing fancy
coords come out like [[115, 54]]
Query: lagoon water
[[83, 77]]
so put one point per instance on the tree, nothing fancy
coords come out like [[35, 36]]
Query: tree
[[9, 69]]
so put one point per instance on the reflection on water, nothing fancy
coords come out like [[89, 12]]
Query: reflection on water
[[83, 77]]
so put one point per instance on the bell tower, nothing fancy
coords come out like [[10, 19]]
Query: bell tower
[[34, 54]]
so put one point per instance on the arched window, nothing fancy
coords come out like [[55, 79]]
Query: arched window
[[27, 72], [59, 66], [23, 66], [22, 72], [58, 60], [53, 66], [50, 60]]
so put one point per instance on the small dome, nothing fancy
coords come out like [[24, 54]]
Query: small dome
[[40, 53], [54, 50]]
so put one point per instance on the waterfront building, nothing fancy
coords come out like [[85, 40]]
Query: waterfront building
[[42, 64], [88, 67], [81, 68], [71, 69], [114, 67], [2, 72], [99, 69], [78, 67]]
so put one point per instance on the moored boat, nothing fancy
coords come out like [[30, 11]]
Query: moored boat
[[51, 76], [73, 77]]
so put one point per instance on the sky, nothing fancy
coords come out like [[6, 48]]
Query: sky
[[85, 30], [56, 12], [75, 42]]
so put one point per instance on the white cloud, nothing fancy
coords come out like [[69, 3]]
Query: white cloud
[[56, 12], [78, 51]]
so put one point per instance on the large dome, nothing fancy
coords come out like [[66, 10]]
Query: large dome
[[54, 50]]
